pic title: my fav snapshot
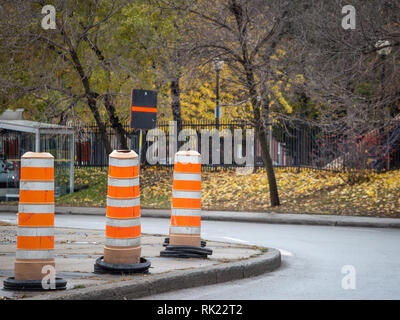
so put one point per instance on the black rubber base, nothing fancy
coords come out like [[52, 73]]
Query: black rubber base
[[101, 267], [185, 252], [32, 285], [166, 243]]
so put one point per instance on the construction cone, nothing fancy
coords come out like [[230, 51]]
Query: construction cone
[[185, 230], [122, 249], [35, 266]]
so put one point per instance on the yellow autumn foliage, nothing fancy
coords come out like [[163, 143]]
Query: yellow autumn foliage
[[307, 191]]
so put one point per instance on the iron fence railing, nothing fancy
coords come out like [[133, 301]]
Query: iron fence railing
[[293, 146]]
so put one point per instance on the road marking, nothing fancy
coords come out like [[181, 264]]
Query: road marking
[[9, 221], [285, 253], [235, 239]]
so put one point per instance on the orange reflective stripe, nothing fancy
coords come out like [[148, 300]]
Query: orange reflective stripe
[[36, 219], [123, 232], [33, 173], [36, 196], [144, 109], [187, 185], [187, 167], [122, 172], [123, 192], [186, 203], [123, 213], [35, 243], [185, 221]]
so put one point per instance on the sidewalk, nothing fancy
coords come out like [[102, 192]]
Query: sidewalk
[[77, 249], [257, 217]]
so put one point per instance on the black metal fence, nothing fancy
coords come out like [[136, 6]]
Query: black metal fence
[[295, 146]]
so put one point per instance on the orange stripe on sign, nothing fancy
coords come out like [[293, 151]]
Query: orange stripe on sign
[[36, 196], [186, 185], [123, 192], [35, 243], [186, 203], [36, 219], [187, 167], [185, 221], [123, 213], [144, 109], [122, 172], [123, 232], [30, 173]]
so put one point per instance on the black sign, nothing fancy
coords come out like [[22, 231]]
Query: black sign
[[143, 109]]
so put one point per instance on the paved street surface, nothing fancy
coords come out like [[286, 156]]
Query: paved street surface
[[77, 249], [312, 259]]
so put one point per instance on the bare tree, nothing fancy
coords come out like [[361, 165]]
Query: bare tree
[[244, 34], [75, 64], [354, 75]]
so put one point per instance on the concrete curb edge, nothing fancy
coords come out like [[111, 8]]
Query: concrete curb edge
[[175, 280], [266, 217]]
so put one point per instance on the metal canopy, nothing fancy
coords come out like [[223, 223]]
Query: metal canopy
[[39, 128], [33, 127]]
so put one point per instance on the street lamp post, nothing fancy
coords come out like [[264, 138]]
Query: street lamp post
[[218, 65], [384, 52]]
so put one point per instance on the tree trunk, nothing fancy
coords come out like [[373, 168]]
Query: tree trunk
[[115, 123], [176, 106], [176, 102], [260, 124], [92, 102], [269, 166], [261, 131], [111, 111], [102, 128]]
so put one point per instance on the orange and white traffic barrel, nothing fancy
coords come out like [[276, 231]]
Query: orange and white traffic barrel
[[35, 236], [122, 248], [185, 228], [186, 200]]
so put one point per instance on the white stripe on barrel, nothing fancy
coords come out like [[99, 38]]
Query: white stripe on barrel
[[36, 185], [123, 222], [35, 232], [37, 162], [131, 182], [123, 162], [123, 203], [186, 194], [184, 230], [34, 254], [186, 212], [187, 176], [130, 242], [188, 158], [36, 208]]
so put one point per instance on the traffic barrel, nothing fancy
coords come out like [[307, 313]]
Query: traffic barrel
[[35, 235], [185, 229], [122, 248]]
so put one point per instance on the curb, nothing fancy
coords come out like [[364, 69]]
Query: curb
[[257, 217], [175, 280], [287, 218]]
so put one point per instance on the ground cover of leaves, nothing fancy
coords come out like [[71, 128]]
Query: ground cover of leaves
[[301, 191]]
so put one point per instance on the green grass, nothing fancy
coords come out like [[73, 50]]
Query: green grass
[[310, 192], [79, 286], [94, 195]]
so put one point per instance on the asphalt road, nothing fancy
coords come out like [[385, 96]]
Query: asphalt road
[[313, 258]]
